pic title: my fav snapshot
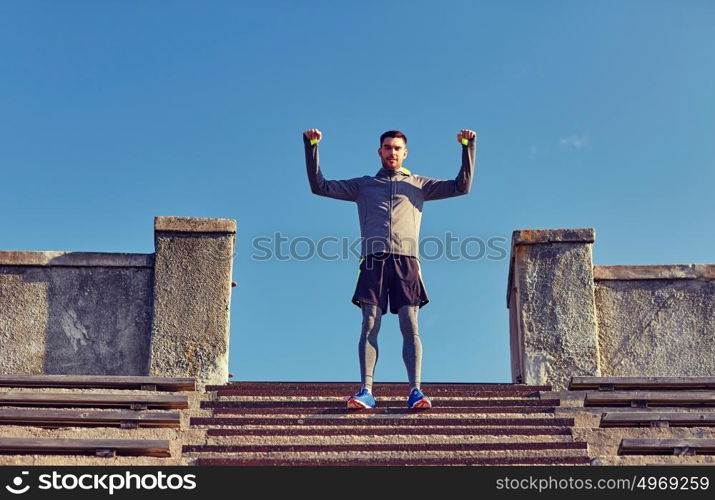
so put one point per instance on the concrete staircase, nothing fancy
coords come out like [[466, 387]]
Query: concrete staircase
[[642, 420], [95, 420], [306, 423], [68, 420]]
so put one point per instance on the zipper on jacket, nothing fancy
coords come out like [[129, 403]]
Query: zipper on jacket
[[389, 236]]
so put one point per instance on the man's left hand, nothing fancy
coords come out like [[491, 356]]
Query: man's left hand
[[470, 135]]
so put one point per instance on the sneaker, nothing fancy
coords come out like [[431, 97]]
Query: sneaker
[[362, 400], [418, 400]]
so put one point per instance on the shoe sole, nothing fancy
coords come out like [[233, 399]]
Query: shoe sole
[[358, 405], [422, 404]]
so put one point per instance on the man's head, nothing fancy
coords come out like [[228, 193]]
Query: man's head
[[393, 149]]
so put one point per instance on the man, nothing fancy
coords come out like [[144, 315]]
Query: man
[[390, 210]]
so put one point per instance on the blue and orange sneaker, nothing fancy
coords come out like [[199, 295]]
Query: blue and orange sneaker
[[418, 400], [362, 400]]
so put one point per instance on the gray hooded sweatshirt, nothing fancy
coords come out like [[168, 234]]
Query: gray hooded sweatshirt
[[390, 203]]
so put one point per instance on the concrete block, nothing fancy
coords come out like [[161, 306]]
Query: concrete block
[[74, 313], [192, 292]]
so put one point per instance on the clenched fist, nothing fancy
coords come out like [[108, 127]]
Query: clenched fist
[[465, 133], [313, 135]]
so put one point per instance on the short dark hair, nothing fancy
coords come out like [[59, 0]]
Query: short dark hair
[[393, 133]]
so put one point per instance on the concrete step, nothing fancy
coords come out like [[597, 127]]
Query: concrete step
[[653, 419], [79, 460], [379, 385], [91, 432], [96, 447], [613, 383], [381, 420], [369, 438], [100, 381], [89, 418], [388, 431], [327, 447], [599, 410], [591, 417], [650, 460], [395, 392], [437, 403], [642, 399], [175, 437], [418, 460], [308, 411], [647, 446], [85, 400], [382, 401], [383, 389]]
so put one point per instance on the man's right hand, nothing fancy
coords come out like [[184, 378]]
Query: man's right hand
[[467, 134], [313, 135]]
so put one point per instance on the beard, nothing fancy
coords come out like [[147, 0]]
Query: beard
[[386, 164]]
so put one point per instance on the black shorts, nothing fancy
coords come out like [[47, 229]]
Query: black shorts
[[384, 275]]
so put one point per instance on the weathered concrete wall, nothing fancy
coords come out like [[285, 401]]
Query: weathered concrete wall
[[552, 310], [656, 320], [75, 313], [569, 318], [192, 292], [122, 314]]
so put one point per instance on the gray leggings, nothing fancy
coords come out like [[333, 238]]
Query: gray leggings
[[411, 344]]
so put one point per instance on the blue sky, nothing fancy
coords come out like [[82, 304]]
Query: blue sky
[[589, 114]]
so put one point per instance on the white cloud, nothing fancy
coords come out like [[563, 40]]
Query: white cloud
[[576, 141]]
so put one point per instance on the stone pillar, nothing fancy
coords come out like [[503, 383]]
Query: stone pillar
[[192, 296], [552, 313]]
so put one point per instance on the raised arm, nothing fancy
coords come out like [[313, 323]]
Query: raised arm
[[340, 190], [434, 189]]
